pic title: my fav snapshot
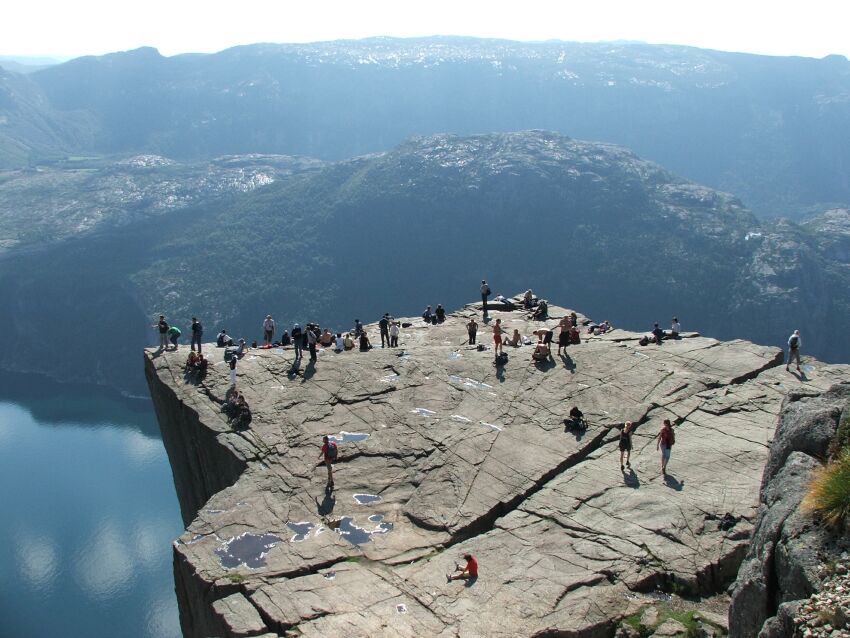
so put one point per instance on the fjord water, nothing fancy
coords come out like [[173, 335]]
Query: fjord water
[[89, 513]]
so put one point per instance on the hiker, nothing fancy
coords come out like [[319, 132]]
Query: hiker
[[223, 339], [564, 334], [384, 325], [285, 340], [173, 335], [497, 336], [427, 316], [394, 332], [162, 325], [528, 299], [197, 333], [657, 334], [485, 292], [794, 343], [542, 311], [469, 571], [365, 345], [574, 320], [348, 341], [515, 340], [626, 445], [339, 343], [675, 328], [440, 313], [472, 329], [576, 418], [233, 361], [311, 342], [665, 440], [327, 339], [268, 330], [297, 341], [328, 455], [358, 327]]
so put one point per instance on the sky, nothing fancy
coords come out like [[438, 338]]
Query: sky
[[63, 29]]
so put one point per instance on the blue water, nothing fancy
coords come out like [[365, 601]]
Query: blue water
[[88, 516]]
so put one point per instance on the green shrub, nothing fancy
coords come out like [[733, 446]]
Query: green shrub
[[829, 491]]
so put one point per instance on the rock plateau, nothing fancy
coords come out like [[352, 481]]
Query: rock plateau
[[441, 454]]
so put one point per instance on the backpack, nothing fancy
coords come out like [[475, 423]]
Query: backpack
[[794, 342], [501, 359], [487, 291], [332, 450], [644, 341]]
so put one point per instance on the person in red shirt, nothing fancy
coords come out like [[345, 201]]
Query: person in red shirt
[[328, 456], [469, 572], [665, 440]]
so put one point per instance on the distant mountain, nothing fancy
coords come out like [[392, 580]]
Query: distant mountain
[[771, 130], [593, 225]]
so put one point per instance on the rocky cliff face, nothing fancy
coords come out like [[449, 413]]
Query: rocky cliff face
[[442, 454], [788, 547]]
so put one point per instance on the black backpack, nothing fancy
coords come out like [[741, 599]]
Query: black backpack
[[501, 359], [332, 450], [794, 342]]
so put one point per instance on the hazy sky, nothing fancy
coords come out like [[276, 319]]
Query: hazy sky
[[78, 27]]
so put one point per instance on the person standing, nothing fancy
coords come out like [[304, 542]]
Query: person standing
[[497, 336], [268, 330], [173, 334], [233, 360], [485, 292], [197, 334], [794, 343], [626, 445], [358, 327], [472, 329], [162, 326], [311, 342], [394, 331], [328, 455], [439, 314], [297, 341], [664, 442], [564, 335], [384, 325]]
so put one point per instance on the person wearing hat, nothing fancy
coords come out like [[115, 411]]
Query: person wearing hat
[[268, 330], [485, 292]]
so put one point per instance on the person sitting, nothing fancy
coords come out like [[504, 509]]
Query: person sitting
[[427, 316], [191, 361], [468, 573], [541, 350], [202, 364], [339, 343], [576, 419], [542, 311], [231, 406], [515, 340], [675, 329], [242, 348], [440, 313], [348, 341], [223, 340], [285, 339], [657, 334], [604, 327], [358, 327], [326, 339], [365, 346], [528, 299]]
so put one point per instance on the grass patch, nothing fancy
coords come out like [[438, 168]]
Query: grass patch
[[684, 617], [829, 491], [236, 579], [841, 440]]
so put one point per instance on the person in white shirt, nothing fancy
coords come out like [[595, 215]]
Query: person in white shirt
[[675, 329], [340, 342]]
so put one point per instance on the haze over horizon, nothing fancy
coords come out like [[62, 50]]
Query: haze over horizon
[[96, 27]]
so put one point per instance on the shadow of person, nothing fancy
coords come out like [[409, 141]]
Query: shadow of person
[[569, 364], [327, 505], [672, 482], [309, 370], [631, 479], [544, 365], [800, 375], [295, 370]]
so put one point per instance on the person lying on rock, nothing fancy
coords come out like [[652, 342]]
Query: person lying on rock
[[469, 572]]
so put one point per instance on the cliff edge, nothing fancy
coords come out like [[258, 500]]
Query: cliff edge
[[441, 454]]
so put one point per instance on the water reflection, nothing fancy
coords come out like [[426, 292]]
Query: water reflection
[[89, 516]]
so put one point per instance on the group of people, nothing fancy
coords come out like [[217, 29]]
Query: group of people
[[438, 315], [664, 442], [238, 413]]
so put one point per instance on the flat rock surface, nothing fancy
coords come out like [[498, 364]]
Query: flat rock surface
[[467, 457]]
